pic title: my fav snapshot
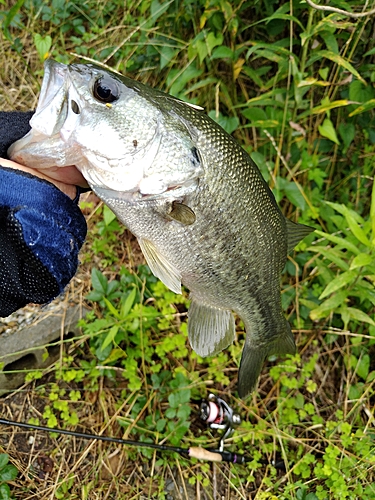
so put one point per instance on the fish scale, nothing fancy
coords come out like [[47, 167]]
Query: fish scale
[[199, 206]]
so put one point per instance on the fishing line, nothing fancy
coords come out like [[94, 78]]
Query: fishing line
[[215, 412]]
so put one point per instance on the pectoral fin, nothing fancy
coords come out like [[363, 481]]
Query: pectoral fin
[[182, 213], [296, 233], [210, 329], [160, 266]]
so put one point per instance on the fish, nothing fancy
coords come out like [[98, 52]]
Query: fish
[[203, 214]]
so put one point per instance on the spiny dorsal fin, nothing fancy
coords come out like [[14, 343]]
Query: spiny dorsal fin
[[296, 233], [182, 213], [194, 106], [160, 266], [210, 329]]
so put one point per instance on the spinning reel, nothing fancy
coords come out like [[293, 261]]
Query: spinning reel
[[218, 415]]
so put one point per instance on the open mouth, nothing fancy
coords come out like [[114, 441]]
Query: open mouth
[[172, 192]]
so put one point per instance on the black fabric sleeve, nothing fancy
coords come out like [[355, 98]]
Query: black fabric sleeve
[[41, 230], [13, 126]]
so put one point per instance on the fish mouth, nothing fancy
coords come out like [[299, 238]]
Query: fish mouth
[[174, 192]]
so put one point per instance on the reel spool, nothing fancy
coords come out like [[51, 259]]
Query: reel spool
[[219, 416]]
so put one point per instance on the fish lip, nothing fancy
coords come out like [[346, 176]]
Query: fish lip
[[53, 91], [172, 193]]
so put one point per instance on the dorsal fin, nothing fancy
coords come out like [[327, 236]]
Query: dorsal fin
[[160, 266], [296, 233], [210, 329]]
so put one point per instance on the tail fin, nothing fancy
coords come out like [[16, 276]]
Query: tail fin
[[253, 358]]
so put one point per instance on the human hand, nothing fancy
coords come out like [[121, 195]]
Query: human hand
[[64, 178]]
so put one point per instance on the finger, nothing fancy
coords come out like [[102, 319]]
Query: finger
[[69, 189], [68, 175]]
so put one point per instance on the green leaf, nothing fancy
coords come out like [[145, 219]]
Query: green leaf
[[275, 97], [361, 260], [170, 413], [213, 41], [42, 45], [111, 308], [166, 55], [222, 52], [8, 473], [327, 130], [254, 75], [342, 242], [332, 254], [294, 195], [202, 50], [184, 412], [331, 41], [340, 281], [286, 17], [9, 18], [363, 108], [347, 133], [363, 366], [271, 55], [157, 9], [201, 83], [108, 215], [323, 72], [369, 52], [323, 108], [174, 400], [357, 230], [128, 304], [336, 58], [328, 306], [114, 355], [254, 114], [5, 492], [179, 79], [160, 424], [353, 220], [359, 315], [184, 395], [110, 337], [263, 124], [4, 459], [94, 296], [360, 92], [270, 51], [99, 281]]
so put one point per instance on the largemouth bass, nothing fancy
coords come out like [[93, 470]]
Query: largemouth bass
[[200, 208]]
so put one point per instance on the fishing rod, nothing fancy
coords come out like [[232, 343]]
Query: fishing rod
[[215, 412]]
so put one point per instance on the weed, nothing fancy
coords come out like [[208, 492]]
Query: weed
[[8, 473]]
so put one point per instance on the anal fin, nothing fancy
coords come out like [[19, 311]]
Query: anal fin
[[160, 266], [210, 329]]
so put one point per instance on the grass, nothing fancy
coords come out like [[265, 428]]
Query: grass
[[294, 86]]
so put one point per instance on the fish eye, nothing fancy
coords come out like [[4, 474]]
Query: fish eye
[[106, 90]]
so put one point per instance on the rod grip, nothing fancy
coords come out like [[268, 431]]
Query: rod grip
[[202, 454]]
